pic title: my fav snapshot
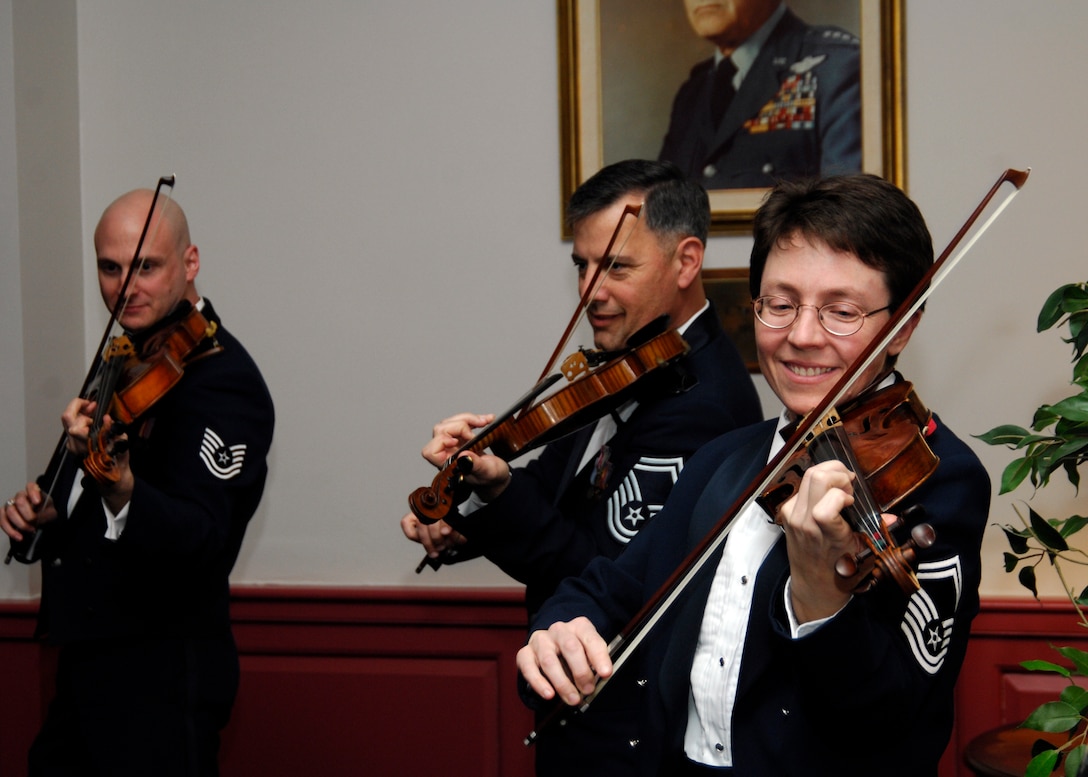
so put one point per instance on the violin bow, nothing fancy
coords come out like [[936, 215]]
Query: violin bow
[[604, 267], [631, 636], [25, 550]]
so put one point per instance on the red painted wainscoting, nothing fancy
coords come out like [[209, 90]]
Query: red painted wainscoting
[[377, 682]]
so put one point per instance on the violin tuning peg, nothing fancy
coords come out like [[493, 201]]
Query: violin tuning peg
[[923, 536], [846, 567]]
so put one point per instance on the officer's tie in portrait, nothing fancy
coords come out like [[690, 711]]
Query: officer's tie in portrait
[[809, 586], [140, 514]]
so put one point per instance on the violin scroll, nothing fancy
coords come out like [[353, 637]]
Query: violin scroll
[[432, 503]]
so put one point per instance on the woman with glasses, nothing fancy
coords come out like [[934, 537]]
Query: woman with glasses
[[770, 665]]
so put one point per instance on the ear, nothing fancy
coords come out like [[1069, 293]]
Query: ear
[[902, 337], [191, 258], [689, 255]]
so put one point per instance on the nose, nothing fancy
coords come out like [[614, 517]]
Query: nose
[[807, 331], [600, 293]]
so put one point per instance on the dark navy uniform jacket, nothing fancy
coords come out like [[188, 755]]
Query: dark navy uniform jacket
[[797, 113], [143, 621], [826, 703]]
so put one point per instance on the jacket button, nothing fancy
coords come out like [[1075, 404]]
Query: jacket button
[[641, 683], [785, 712], [710, 171], [632, 743], [767, 168], [719, 747], [57, 562]]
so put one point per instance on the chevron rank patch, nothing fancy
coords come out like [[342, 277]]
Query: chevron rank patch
[[641, 495], [222, 460], [928, 621]]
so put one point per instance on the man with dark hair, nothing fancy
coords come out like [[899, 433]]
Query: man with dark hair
[[589, 493], [770, 664]]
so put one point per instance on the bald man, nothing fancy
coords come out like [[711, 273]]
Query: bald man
[[134, 572]]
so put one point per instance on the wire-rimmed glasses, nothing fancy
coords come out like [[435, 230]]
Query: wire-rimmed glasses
[[841, 319]]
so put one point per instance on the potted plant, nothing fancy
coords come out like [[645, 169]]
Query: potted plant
[[1056, 442]]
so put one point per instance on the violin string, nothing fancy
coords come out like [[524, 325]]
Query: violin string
[[865, 512]]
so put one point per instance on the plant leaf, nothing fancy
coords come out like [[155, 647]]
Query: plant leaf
[[1043, 764], [1078, 657], [1015, 473], [1080, 372], [1075, 696], [1017, 541], [1073, 524], [1011, 561], [1050, 537], [1052, 310], [1074, 758], [1039, 665], [1006, 434], [1027, 579], [1043, 418], [1075, 407], [1052, 717]]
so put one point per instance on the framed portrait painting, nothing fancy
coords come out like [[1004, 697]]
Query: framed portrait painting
[[816, 88]]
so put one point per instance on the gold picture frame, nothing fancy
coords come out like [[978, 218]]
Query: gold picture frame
[[588, 86], [727, 288]]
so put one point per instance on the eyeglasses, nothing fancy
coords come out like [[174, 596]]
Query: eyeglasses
[[838, 318]]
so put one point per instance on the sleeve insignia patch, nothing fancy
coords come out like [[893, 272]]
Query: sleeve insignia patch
[[928, 621], [222, 460], [641, 495]]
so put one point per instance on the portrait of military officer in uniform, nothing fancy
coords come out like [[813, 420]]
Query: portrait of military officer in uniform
[[739, 94], [779, 99]]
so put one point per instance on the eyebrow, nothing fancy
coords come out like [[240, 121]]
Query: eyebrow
[[830, 294]]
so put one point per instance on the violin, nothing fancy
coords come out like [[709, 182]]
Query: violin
[[880, 436], [882, 557], [590, 395], [128, 375], [593, 392], [136, 373]]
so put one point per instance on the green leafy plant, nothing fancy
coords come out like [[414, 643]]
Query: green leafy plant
[[1056, 442]]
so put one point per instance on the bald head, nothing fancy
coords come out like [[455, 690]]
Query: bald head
[[171, 261], [169, 215]]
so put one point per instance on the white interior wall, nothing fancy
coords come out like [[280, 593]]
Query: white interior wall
[[375, 193]]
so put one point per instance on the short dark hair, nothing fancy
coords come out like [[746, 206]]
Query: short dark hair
[[674, 207], [861, 214]]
